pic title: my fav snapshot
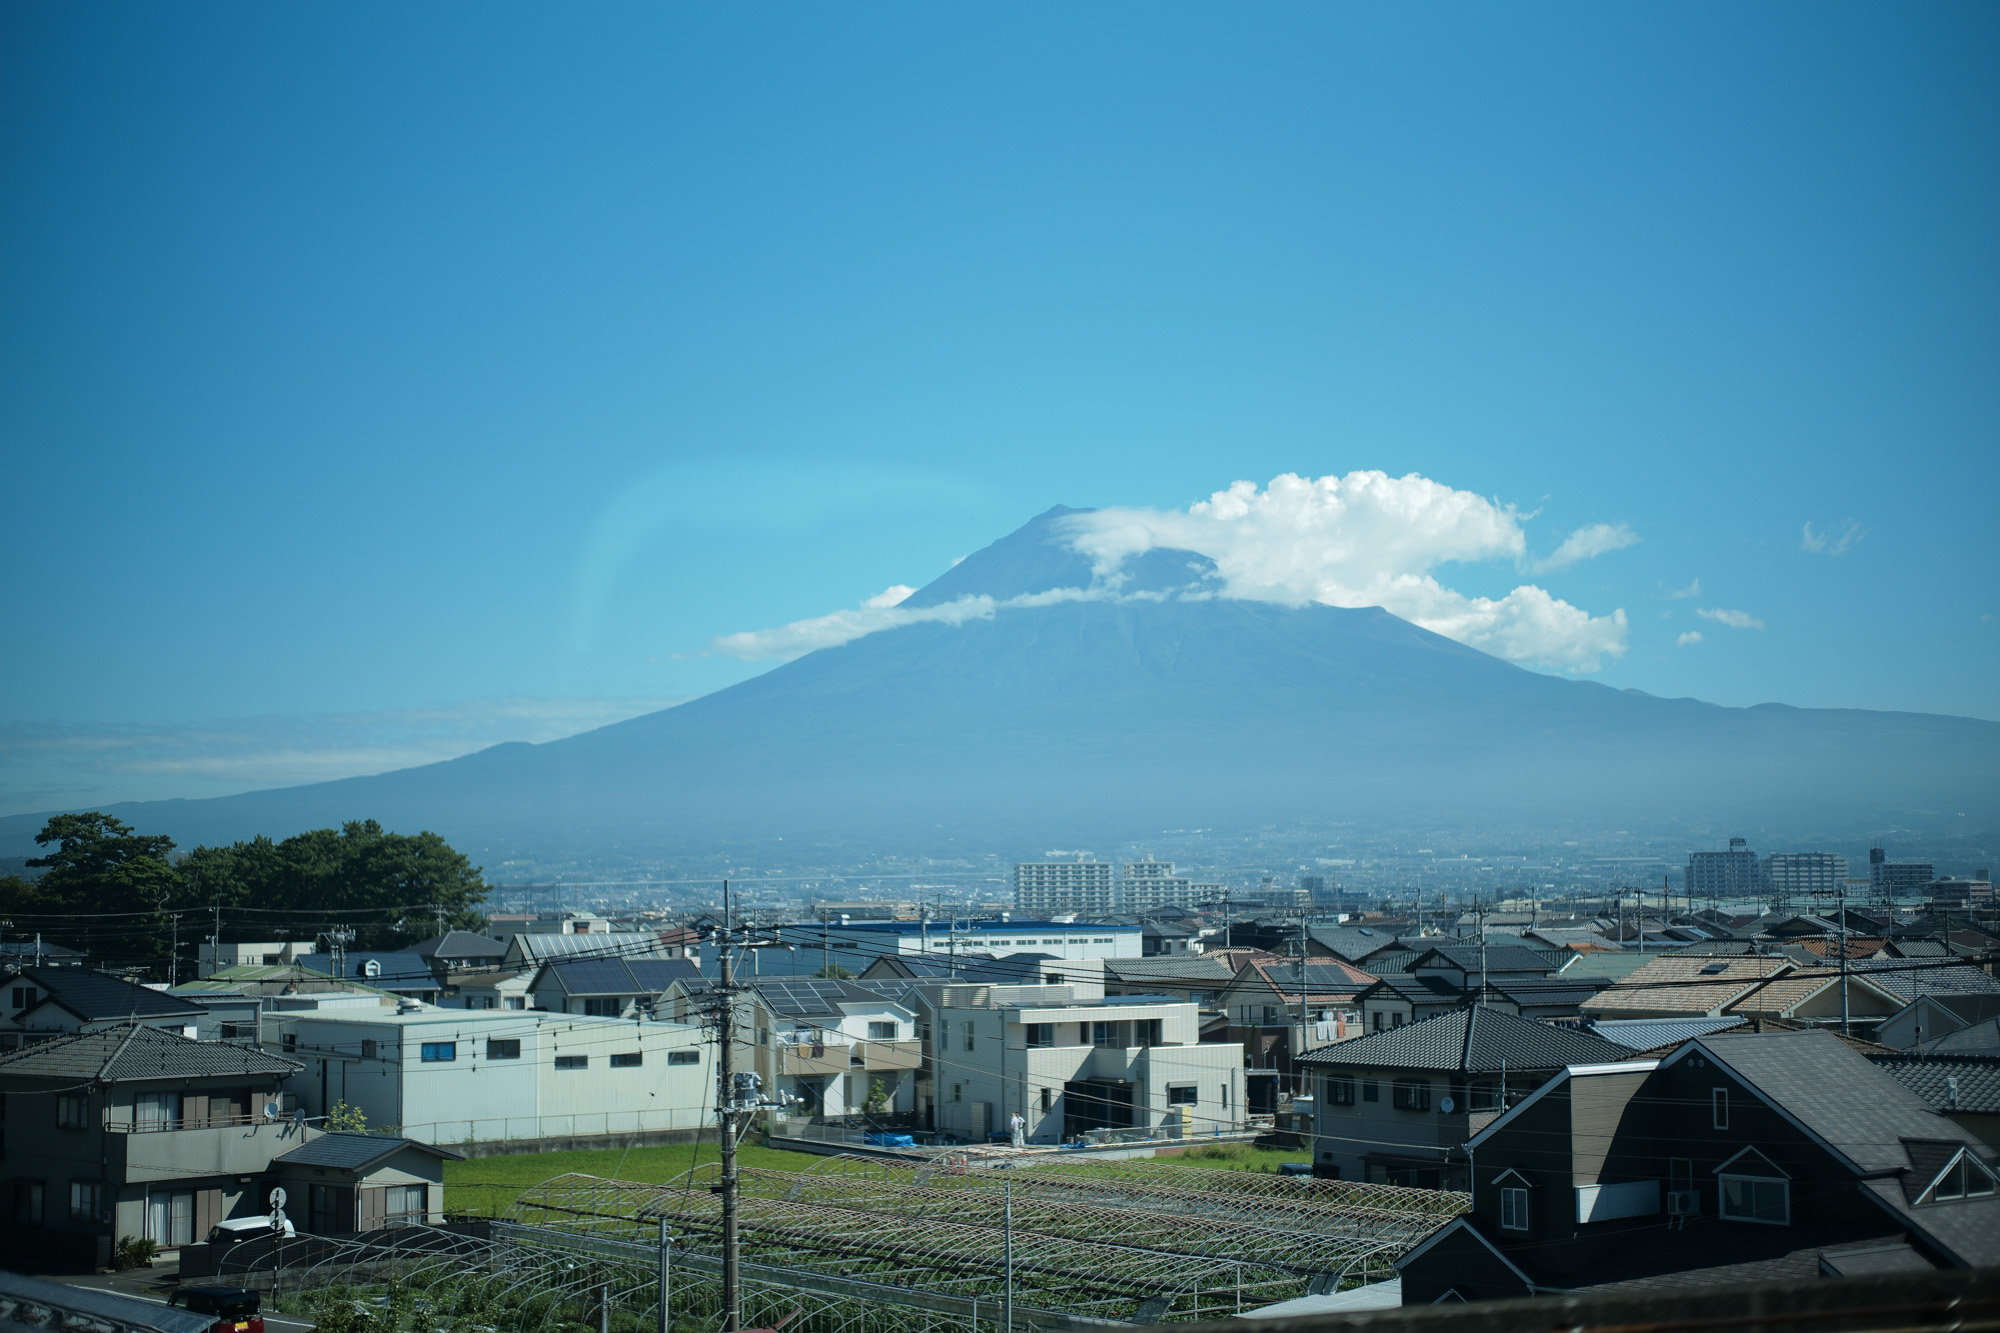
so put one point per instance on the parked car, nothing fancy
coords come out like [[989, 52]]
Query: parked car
[[239, 1229], [235, 1309]]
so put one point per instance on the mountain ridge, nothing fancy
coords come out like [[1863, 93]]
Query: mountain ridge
[[1106, 717]]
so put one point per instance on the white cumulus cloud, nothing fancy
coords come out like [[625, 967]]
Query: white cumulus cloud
[[1368, 539], [892, 595], [1587, 544], [1733, 619], [1688, 639]]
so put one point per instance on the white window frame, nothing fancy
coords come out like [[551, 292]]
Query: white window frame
[[1718, 1108], [1513, 1208], [1963, 1159]]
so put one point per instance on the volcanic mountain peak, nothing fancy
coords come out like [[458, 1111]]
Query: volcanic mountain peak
[[1038, 557]]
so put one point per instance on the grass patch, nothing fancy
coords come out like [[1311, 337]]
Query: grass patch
[[1237, 1157], [488, 1186]]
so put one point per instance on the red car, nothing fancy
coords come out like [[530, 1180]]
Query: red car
[[235, 1310]]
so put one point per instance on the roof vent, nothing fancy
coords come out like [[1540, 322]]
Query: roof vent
[[407, 1005]]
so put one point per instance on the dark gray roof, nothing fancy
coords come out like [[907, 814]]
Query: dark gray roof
[[1898, 978], [94, 997], [460, 944], [1834, 1090], [1981, 1036], [1186, 970], [1968, 1083], [1471, 1041], [1349, 942], [1499, 958], [619, 976], [1551, 990], [1647, 1034], [105, 1309], [1018, 969], [356, 1152], [135, 1054]]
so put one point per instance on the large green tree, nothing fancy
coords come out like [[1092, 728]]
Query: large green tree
[[105, 888], [391, 888]]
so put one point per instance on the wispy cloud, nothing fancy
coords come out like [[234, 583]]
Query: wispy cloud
[[1683, 594], [51, 765], [1733, 619], [1688, 639], [830, 631], [1831, 543], [1587, 544]]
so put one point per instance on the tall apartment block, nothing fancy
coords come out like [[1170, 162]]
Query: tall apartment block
[[1151, 883], [1897, 879], [1048, 887], [1805, 875], [1731, 874]]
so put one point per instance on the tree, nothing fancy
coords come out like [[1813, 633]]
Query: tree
[[119, 881]]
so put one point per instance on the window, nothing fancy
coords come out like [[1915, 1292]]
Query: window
[[1185, 1094], [1148, 1032], [684, 1057], [1041, 1034], [1106, 1034], [503, 1048], [73, 1110], [291, 1042], [1718, 1107], [517, 1002], [572, 1062], [1395, 1020], [1371, 1091], [1225, 1096], [1270, 1014], [25, 997], [1965, 1178], [156, 1110], [604, 1006], [968, 1036], [440, 1052], [627, 1059], [86, 1201], [27, 1203], [958, 1092], [882, 1031], [406, 1203], [1756, 1199], [370, 1048], [1485, 1097], [231, 1031], [1378, 1020], [1048, 1099], [1340, 1091], [1411, 1094], [1513, 1209]]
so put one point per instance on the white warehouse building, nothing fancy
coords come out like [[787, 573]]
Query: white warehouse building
[[854, 945], [449, 1075]]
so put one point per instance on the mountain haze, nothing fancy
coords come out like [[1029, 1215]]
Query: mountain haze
[[1109, 717]]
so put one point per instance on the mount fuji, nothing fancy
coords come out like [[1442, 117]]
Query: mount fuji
[[1096, 718]]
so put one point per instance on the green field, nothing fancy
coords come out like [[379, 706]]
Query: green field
[[487, 1186], [1238, 1157]]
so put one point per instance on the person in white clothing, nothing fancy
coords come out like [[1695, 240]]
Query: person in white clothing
[[1019, 1129]]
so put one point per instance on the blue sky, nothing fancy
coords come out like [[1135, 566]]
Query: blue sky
[[382, 381]]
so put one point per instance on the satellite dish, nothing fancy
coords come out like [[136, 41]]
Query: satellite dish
[[271, 1110], [1445, 1105]]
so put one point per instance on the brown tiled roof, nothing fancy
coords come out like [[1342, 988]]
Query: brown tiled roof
[[1687, 984]]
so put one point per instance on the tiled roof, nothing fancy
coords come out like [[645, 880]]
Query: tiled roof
[[620, 944], [1683, 984], [94, 997], [1777, 998], [1195, 969], [460, 944], [132, 1054], [1550, 990], [1499, 958], [619, 976], [1647, 1034], [1906, 983], [355, 1152], [1475, 1040], [1980, 1036], [1349, 942], [1968, 1083]]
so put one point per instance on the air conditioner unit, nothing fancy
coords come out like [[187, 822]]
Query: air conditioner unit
[[1683, 1203]]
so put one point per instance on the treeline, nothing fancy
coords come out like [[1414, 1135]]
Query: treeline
[[125, 898]]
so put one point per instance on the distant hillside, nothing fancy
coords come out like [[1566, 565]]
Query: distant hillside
[[1094, 721]]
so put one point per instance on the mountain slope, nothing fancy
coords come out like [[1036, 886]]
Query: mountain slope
[[1095, 720]]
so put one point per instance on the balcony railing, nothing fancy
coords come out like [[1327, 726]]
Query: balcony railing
[[191, 1122]]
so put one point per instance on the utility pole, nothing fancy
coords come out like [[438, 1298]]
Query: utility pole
[[666, 1279], [732, 1293], [1298, 1070], [174, 953], [1482, 951], [1843, 963]]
